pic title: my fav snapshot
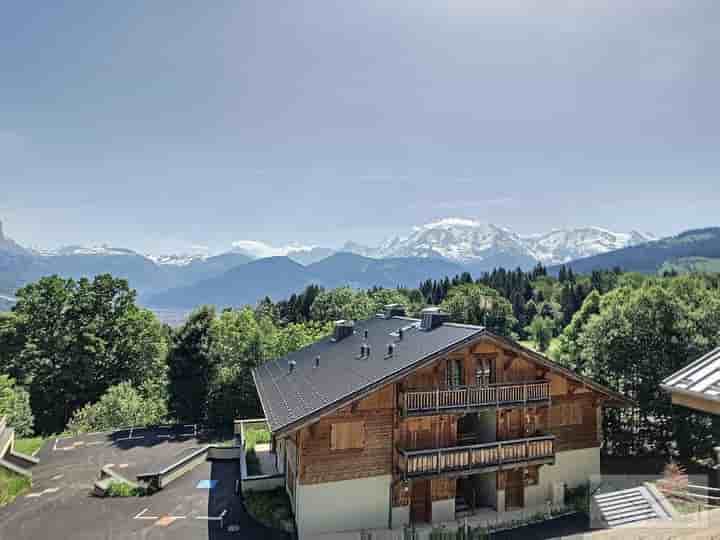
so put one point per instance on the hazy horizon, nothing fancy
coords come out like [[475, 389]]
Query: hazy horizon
[[162, 127]]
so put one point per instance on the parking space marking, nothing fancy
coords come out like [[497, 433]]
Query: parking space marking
[[213, 518], [141, 515]]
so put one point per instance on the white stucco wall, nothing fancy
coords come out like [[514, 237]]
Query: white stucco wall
[[443, 510], [400, 516], [573, 468], [343, 506]]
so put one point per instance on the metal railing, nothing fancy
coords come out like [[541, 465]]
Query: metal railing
[[467, 397], [476, 457]]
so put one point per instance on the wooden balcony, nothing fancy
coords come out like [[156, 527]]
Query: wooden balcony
[[439, 401], [477, 458]]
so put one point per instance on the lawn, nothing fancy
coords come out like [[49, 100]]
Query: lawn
[[256, 435], [29, 446], [11, 485]]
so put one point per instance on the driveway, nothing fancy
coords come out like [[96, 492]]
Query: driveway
[[198, 506]]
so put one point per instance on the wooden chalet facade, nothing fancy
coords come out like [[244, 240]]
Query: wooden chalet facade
[[481, 423]]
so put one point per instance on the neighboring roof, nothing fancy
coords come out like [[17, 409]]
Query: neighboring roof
[[629, 506], [700, 379], [288, 397], [291, 398]]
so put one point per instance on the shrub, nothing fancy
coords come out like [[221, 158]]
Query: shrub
[[121, 406], [272, 508], [123, 489]]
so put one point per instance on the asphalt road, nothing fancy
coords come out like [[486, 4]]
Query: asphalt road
[[60, 505]]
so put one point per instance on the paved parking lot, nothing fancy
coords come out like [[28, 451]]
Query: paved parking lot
[[199, 505]]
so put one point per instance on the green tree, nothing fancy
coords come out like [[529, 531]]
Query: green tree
[[15, 405], [121, 406], [74, 339], [341, 303], [190, 367], [639, 337], [541, 331], [481, 305]]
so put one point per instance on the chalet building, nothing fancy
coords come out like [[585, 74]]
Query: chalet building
[[394, 420]]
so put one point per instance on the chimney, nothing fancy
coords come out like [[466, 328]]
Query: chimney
[[317, 362], [343, 329], [291, 366], [432, 317], [394, 310]]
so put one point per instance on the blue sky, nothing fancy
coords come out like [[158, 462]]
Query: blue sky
[[163, 125]]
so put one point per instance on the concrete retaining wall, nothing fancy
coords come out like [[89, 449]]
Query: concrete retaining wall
[[160, 479]]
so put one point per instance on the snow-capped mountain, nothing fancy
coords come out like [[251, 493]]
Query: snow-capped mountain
[[484, 245], [563, 245], [181, 259], [302, 254]]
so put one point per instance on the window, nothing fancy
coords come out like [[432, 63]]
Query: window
[[347, 436], [567, 414], [454, 373]]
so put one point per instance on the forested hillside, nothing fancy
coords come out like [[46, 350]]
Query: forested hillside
[[81, 355]]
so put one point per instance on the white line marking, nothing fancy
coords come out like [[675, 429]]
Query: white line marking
[[123, 466], [32, 495], [96, 443], [213, 518], [165, 436], [51, 490], [141, 515], [57, 477]]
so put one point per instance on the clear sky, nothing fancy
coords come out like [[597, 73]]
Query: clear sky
[[159, 125]]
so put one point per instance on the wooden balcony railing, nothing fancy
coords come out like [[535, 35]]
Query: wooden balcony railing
[[477, 458], [469, 397]]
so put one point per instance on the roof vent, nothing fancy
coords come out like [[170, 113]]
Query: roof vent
[[432, 318], [343, 329], [291, 366], [394, 310]]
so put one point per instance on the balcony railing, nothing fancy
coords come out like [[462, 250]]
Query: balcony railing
[[478, 458], [469, 397]]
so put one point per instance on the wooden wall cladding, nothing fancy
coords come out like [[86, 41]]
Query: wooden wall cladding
[[319, 463]]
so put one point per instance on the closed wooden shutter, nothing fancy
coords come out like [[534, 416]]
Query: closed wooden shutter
[[347, 435], [568, 414]]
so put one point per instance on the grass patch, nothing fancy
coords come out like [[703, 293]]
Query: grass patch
[[123, 489], [271, 508], [255, 436], [12, 485], [253, 463], [29, 446]]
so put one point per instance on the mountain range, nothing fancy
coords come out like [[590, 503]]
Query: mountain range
[[251, 270]]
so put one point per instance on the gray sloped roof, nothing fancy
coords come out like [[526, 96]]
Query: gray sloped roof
[[701, 378], [289, 397]]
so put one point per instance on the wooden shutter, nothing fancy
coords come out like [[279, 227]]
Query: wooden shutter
[[347, 435]]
